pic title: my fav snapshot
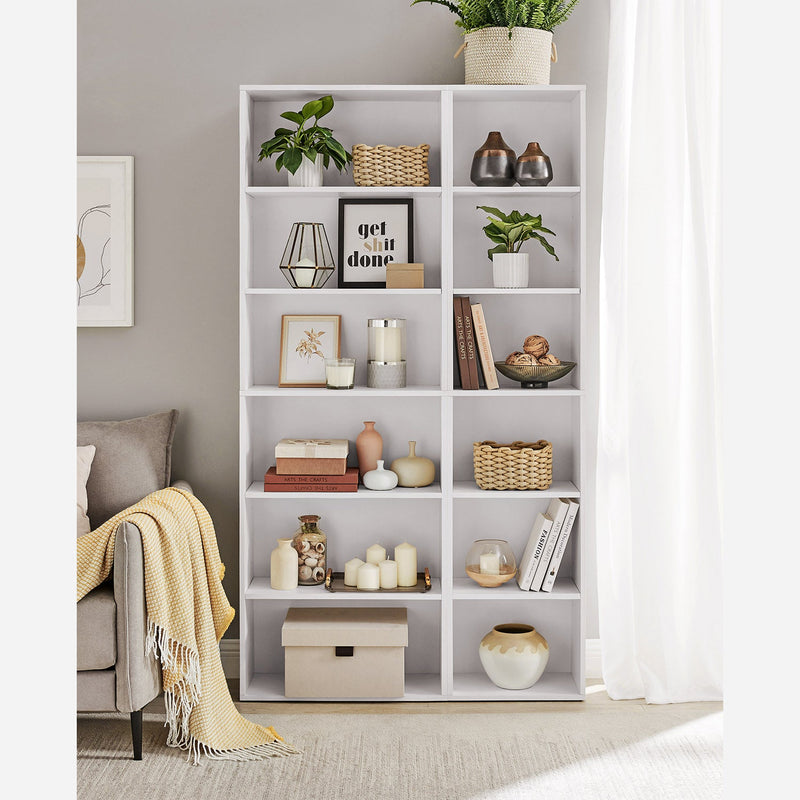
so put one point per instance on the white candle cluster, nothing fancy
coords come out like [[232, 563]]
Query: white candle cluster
[[380, 572]]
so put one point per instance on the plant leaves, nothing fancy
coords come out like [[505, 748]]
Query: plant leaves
[[311, 109], [293, 116], [501, 248], [327, 105], [495, 211], [292, 159], [547, 246]]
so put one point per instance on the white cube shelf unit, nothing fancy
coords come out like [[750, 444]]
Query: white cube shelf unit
[[447, 623]]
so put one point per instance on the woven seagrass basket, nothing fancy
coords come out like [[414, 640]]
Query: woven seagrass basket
[[519, 465], [491, 57], [391, 166]]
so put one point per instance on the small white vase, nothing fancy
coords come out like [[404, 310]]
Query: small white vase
[[380, 479], [309, 173], [283, 566], [510, 270]]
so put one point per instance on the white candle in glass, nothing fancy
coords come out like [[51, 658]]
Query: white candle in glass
[[351, 571], [376, 554], [388, 570], [369, 577], [304, 277], [340, 372], [406, 557], [388, 344], [490, 564]]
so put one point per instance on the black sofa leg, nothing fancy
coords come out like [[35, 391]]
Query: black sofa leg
[[136, 733]]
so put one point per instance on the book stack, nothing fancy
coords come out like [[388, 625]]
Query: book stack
[[538, 567], [473, 356], [311, 465]]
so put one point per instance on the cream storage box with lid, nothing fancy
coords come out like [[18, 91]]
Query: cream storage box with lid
[[344, 653], [311, 456]]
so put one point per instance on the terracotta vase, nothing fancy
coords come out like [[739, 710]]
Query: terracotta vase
[[369, 449], [514, 655], [414, 470], [493, 162]]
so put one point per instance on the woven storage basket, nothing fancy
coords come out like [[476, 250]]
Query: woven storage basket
[[519, 465], [491, 57], [391, 166]]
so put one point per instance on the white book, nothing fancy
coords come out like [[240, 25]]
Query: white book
[[561, 546], [533, 551], [557, 511]]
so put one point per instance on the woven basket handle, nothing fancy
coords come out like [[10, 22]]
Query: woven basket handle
[[541, 444], [553, 52], [460, 49]]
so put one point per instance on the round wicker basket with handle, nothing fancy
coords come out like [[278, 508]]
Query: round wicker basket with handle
[[491, 57], [519, 465]]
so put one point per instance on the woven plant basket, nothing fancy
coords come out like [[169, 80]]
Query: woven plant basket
[[491, 57], [519, 465], [391, 166]]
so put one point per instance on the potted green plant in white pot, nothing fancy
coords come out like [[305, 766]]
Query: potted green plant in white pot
[[508, 41], [307, 149], [509, 232]]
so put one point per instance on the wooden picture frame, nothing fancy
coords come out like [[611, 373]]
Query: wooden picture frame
[[368, 229], [304, 348], [104, 227]]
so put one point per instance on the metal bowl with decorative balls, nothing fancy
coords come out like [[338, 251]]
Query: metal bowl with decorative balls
[[536, 345], [534, 376]]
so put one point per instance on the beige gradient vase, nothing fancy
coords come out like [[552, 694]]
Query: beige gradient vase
[[514, 655], [413, 470], [369, 449], [283, 566]]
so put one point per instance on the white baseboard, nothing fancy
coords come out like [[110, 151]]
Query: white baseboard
[[229, 653]]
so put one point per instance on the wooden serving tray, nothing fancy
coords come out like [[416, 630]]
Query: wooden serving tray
[[334, 582]]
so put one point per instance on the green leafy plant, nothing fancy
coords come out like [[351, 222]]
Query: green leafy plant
[[509, 231], [307, 140], [476, 14]]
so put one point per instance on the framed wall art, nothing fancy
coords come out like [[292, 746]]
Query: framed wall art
[[306, 341], [372, 234], [105, 241]]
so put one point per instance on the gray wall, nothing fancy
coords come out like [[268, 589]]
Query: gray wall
[[159, 81]]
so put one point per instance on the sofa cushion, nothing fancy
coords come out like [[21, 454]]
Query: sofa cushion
[[133, 458], [84, 466], [97, 634]]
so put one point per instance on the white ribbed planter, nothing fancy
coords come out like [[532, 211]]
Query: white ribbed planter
[[510, 270], [491, 57], [309, 173]]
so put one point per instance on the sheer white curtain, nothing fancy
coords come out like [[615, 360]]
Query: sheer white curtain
[[658, 515]]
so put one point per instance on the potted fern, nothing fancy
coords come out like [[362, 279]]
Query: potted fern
[[308, 148], [508, 41], [509, 232]]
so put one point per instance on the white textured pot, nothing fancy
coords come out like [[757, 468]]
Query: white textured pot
[[309, 173], [510, 270], [380, 479], [514, 655]]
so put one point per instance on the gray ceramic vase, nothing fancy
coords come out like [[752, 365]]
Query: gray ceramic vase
[[533, 167], [493, 163]]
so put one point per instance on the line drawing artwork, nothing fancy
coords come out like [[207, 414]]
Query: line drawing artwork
[[310, 345], [92, 250]]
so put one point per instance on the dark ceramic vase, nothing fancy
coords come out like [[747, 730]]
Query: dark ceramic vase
[[533, 167], [493, 163]]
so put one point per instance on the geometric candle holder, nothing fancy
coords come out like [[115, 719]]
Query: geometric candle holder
[[307, 261]]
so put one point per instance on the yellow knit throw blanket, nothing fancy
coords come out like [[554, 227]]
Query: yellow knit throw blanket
[[187, 613]]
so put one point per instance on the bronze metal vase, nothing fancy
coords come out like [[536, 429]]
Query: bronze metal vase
[[493, 162], [533, 167]]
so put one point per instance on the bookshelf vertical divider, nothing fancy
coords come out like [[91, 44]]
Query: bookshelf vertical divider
[[447, 623]]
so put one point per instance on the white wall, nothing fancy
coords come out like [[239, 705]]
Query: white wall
[[159, 81]]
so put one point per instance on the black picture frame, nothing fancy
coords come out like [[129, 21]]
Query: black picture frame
[[342, 268]]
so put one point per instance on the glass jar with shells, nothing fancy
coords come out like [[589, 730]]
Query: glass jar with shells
[[312, 546]]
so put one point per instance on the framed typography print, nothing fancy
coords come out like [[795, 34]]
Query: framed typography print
[[104, 228], [307, 340], [372, 234]]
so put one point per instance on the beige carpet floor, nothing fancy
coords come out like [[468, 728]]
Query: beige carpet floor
[[596, 750]]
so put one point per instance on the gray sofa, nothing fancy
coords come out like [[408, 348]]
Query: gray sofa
[[132, 459]]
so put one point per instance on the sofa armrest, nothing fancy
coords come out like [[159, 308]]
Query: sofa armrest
[[181, 484], [138, 676]]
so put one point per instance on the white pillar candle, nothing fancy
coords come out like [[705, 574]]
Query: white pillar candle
[[304, 277], [369, 577], [351, 571], [376, 554], [406, 557], [388, 344], [388, 570], [490, 564]]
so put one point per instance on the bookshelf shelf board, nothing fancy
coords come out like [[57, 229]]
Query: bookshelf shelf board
[[551, 686], [340, 292], [567, 390], [259, 589], [327, 394], [544, 191], [531, 290], [468, 490], [340, 191], [256, 492], [467, 589], [420, 687]]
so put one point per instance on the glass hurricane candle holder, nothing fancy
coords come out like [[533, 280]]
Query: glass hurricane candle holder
[[491, 562], [340, 373], [386, 353]]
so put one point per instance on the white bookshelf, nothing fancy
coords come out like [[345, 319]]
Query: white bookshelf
[[447, 623]]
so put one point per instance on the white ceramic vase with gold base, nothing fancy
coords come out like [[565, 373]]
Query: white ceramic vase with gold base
[[514, 655]]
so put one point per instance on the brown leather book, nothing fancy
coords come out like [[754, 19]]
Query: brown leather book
[[470, 342], [461, 345], [350, 476], [310, 487]]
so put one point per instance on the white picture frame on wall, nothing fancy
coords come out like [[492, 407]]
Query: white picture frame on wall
[[104, 283]]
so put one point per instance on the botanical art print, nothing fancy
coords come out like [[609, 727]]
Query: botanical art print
[[306, 342], [104, 228]]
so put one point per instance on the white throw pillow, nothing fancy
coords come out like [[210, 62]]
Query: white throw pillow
[[85, 458]]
